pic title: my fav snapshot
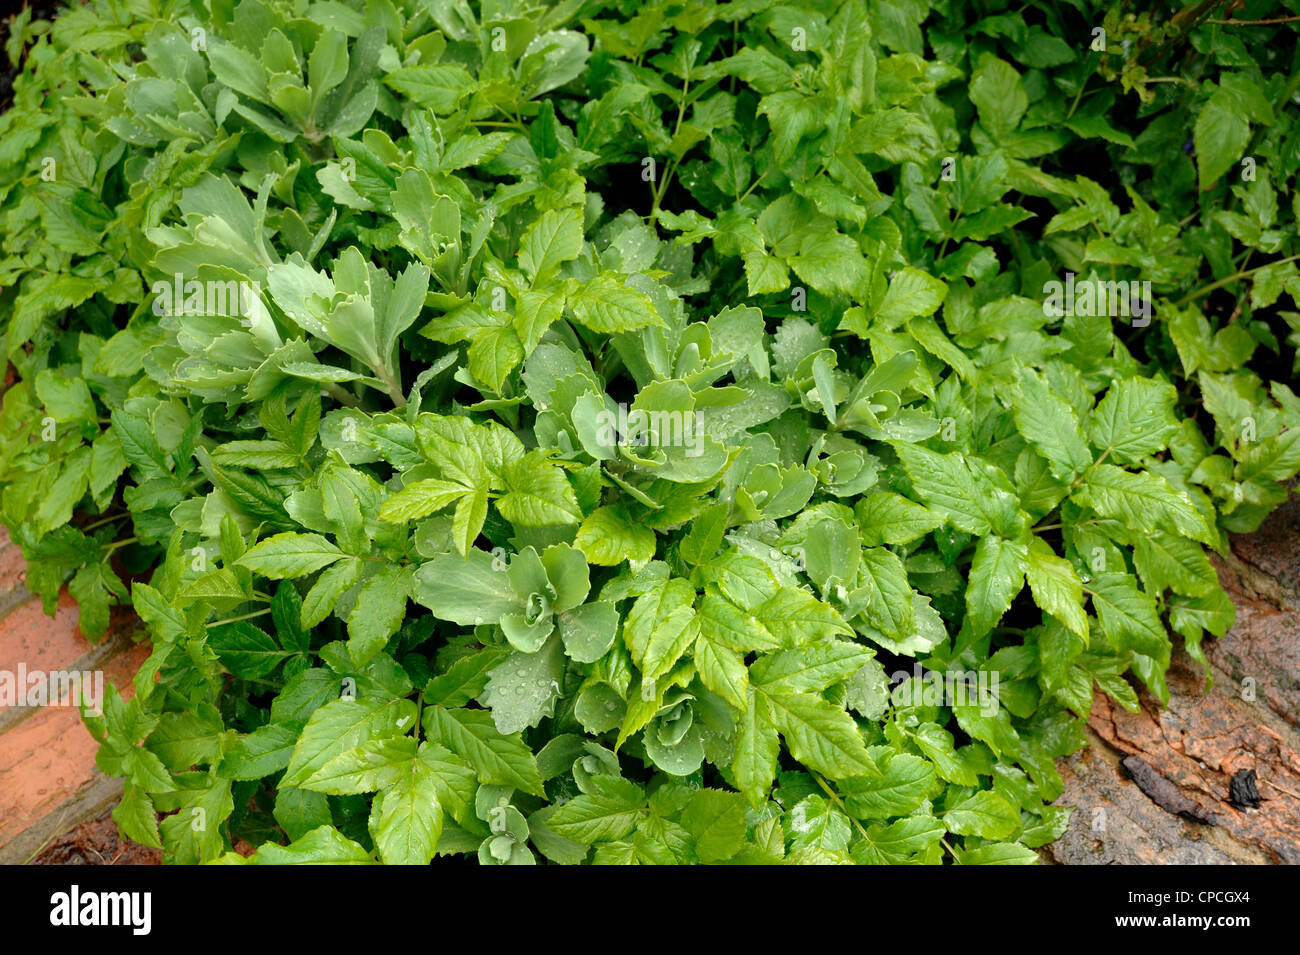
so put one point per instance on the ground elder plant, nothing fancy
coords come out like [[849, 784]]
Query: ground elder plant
[[660, 433]]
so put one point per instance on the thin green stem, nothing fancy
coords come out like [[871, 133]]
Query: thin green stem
[[1253, 23], [1077, 97], [340, 394], [1206, 289], [247, 616], [836, 801], [661, 188], [100, 523], [1104, 455], [950, 849], [108, 551]]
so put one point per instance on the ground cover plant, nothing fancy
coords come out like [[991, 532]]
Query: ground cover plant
[[639, 433]]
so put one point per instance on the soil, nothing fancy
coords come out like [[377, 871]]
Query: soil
[[96, 843]]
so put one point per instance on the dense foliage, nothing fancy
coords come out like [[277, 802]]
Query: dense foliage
[[545, 431]]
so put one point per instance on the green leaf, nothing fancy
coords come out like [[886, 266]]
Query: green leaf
[[1220, 137], [378, 612], [997, 574], [984, 814], [323, 846], [329, 587], [420, 499], [435, 87], [792, 617], [589, 631], [248, 652], [1143, 502], [1134, 419], [1050, 426], [999, 95], [290, 555], [897, 790], [406, 819], [967, 496], [1128, 616], [1056, 587], [608, 812], [555, 237], [660, 628], [716, 820], [888, 518], [606, 305], [821, 736], [899, 841], [374, 765], [497, 758], [609, 537], [538, 495], [998, 853], [721, 668], [809, 668], [467, 591], [911, 294], [262, 752], [344, 725]]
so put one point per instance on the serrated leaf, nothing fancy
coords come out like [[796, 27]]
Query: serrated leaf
[[290, 555], [497, 758]]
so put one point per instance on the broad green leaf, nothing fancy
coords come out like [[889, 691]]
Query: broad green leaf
[[997, 574], [555, 237], [344, 725], [716, 820], [1134, 419], [984, 814], [608, 812], [497, 758], [897, 790], [606, 305], [608, 536], [1056, 587], [290, 555], [821, 736], [469, 591], [1050, 426]]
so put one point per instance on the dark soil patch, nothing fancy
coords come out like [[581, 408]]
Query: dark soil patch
[[96, 843]]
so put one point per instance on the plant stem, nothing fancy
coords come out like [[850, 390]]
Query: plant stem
[[951, 852], [100, 523], [661, 188], [108, 551], [1254, 23], [1205, 289], [1104, 455], [835, 801], [340, 394], [247, 616]]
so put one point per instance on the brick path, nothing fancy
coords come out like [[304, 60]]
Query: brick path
[[48, 779]]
